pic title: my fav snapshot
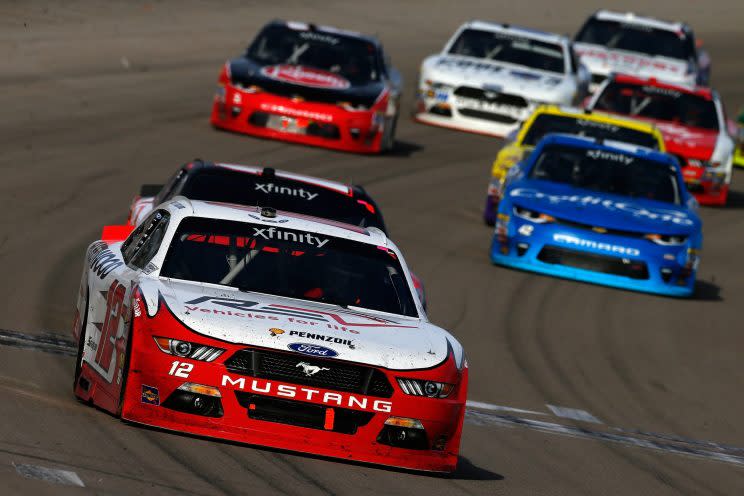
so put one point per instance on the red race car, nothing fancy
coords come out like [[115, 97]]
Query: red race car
[[268, 328], [692, 121], [312, 85]]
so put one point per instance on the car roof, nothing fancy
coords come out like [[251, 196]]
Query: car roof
[[702, 91], [181, 207], [518, 30], [617, 146], [336, 186], [598, 116], [640, 20], [308, 26]]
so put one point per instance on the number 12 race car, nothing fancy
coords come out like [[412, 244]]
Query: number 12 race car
[[314, 85], [268, 328]]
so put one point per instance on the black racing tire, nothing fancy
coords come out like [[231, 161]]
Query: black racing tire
[[125, 370], [81, 344], [388, 138]]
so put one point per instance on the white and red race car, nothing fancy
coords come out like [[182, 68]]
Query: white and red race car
[[622, 42], [268, 328]]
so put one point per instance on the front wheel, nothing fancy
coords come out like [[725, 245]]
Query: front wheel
[[81, 347], [388, 136]]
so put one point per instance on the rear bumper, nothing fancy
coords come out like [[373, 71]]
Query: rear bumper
[[246, 402], [271, 116]]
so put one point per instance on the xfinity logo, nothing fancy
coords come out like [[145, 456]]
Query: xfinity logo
[[301, 393], [299, 237], [285, 190], [662, 215], [613, 157], [586, 243], [600, 125]]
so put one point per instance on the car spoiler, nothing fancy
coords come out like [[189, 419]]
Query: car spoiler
[[112, 234]]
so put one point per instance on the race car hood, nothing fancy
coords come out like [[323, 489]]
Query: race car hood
[[457, 70], [603, 210], [257, 319], [601, 60], [689, 142], [306, 82]]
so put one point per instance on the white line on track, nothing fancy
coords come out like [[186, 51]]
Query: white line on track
[[499, 408], [573, 414], [669, 444], [52, 475]]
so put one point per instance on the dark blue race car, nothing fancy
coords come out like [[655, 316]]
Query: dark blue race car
[[600, 212]]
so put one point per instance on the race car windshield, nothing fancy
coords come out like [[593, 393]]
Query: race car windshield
[[548, 123], [287, 262], [509, 48], [617, 35], [222, 184], [607, 172], [352, 58], [662, 104]]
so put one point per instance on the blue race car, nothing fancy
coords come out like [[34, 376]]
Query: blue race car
[[600, 212]]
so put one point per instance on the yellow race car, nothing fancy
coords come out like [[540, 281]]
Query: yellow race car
[[739, 138], [549, 119]]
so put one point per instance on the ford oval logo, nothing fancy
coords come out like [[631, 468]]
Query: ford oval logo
[[312, 350]]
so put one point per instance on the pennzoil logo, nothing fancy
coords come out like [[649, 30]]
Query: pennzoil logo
[[275, 331]]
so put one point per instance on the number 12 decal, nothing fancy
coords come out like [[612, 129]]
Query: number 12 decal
[[181, 369], [106, 349]]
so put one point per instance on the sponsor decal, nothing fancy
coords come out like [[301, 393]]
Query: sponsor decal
[[626, 59], [662, 215], [587, 243], [599, 125], [305, 316], [306, 76], [312, 395], [312, 350], [275, 331], [150, 395], [285, 190], [293, 112], [468, 64], [655, 90], [320, 337], [525, 75], [310, 370], [102, 260], [297, 237], [315, 36], [609, 156]]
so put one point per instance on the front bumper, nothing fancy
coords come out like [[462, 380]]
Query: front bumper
[[310, 123], [707, 191], [654, 269], [443, 109], [259, 411]]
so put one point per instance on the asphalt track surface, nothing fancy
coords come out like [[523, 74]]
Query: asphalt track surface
[[97, 99]]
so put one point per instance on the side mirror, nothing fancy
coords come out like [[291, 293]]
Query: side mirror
[[113, 234], [150, 189]]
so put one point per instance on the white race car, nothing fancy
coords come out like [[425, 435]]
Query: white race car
[[490, 77], [271, 328], [642, 47]]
